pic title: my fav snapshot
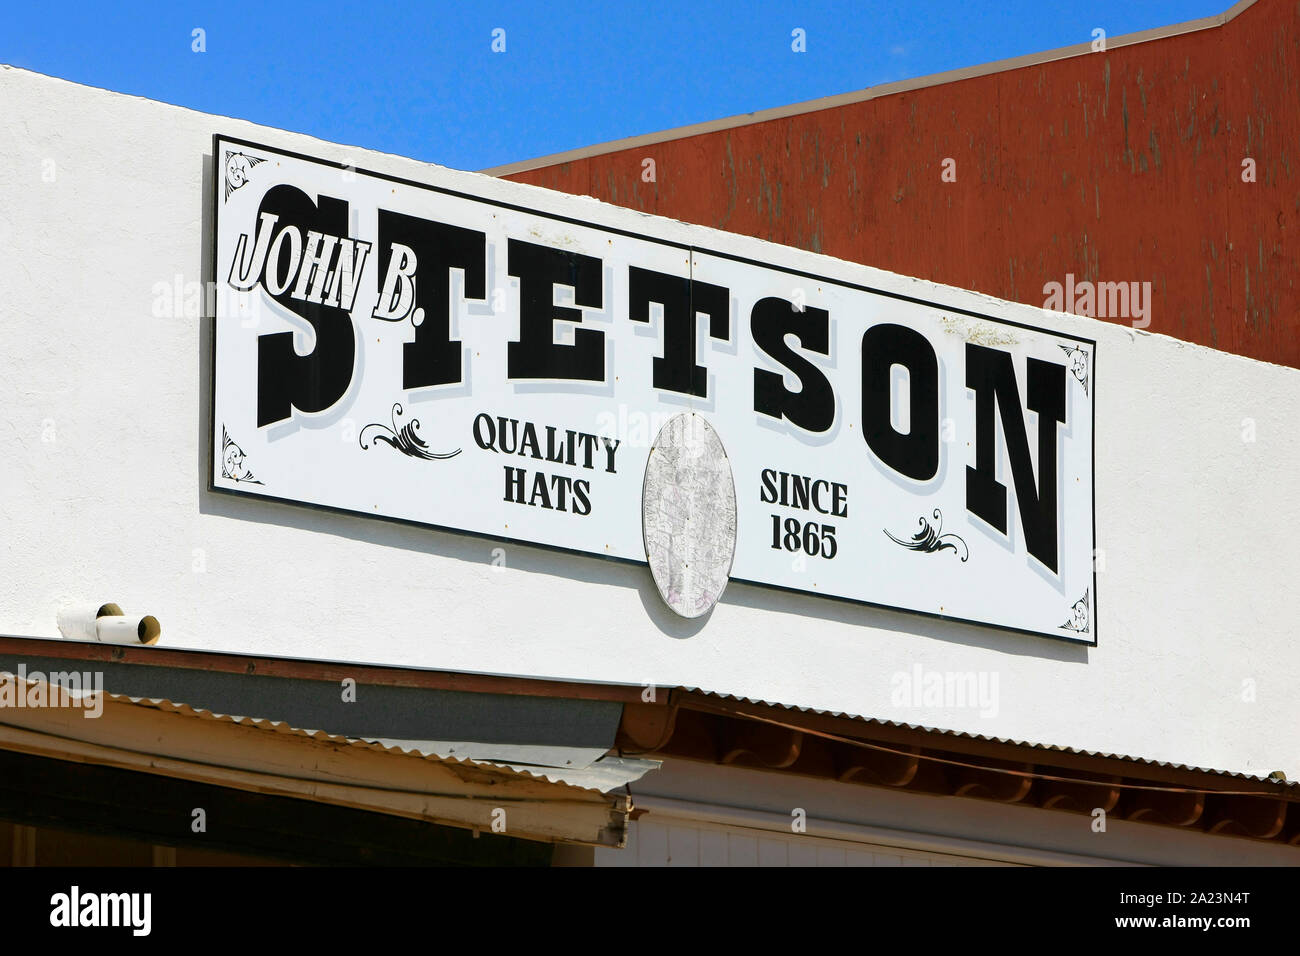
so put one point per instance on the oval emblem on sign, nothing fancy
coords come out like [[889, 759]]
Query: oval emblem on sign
[[688, 515]]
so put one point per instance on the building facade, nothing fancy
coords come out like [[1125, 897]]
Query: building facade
[[355, 648]]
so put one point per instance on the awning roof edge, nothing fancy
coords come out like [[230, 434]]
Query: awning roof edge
[[170, 739]]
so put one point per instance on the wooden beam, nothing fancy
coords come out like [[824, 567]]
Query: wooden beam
[[39, 792], [991, 785], [645, 728], [1246, 816], [772, 747], [861, 765], [1080, 797], [1173, 809]]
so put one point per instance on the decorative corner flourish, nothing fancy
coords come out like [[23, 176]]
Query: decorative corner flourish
[[1080, 616], [1078, 363], [403, 438], [931, 538], [238, 166], [232, 461]]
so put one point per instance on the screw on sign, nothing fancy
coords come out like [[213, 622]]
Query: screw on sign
[[688, 515]]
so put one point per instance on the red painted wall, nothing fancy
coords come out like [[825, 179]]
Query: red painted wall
[[1117, 166]]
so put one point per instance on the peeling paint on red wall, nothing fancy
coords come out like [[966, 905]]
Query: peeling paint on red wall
[[1116, 166]]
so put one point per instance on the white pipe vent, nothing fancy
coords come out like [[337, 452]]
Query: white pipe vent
[[108, 625]]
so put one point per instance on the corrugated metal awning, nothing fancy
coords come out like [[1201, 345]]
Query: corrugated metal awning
[[158, 736]]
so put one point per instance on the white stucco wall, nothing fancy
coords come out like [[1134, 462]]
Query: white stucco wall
[[103, 496]]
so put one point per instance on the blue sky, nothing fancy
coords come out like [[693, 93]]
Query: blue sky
[[421, 80]]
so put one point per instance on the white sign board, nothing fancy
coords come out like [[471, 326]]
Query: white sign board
[[406, 351]]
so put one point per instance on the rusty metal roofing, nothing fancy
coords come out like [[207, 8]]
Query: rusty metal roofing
[[983, 738], [163, 737], [602, 776], [483, 681], [609, 776]]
